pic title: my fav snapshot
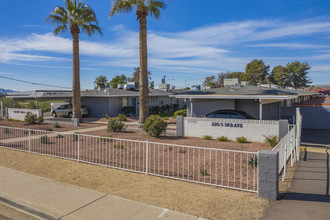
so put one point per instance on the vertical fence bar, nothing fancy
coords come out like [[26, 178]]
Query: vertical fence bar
[[147, 157], [78, 148], [29, 140]]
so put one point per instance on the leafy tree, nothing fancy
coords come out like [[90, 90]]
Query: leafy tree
[[136, 75], [210, 81], [297, 73], [279, 76], [143, 9], [76, 17], [152, 85], [240, 75], [101, 81], [120, 79], [256, 71]]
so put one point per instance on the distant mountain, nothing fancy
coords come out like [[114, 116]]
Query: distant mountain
[[4, 91]]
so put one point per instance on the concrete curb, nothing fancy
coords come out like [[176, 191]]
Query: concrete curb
[[27, 209]]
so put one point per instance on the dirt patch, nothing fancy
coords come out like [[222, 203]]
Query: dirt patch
[[284, 186], [204, 201], [45, 126], [188, 141]]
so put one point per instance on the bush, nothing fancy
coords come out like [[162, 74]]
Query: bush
[[165, 118], [241, 140], [49, 129], [207, 137], [155, 126], [44, 139], [222, 138], [6, 131], [15, 120], [122, 117], [272, 141], [40, 120], [105, 116], [75, 136], [175, 107], [30, 119], [115, 125], [182, 112], [106, 138], [253, 161], [204, 172], [182, 151], [56, 125], [118, 146], [128, 110], [59, 136]]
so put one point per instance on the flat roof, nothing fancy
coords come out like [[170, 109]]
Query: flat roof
[[112, 92], [245, 92]]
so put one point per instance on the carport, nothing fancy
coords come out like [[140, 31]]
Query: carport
[[261, 103]]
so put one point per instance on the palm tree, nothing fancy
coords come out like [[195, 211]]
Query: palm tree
[[76, 17], [143, 9]]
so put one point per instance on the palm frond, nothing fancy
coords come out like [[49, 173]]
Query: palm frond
[[154, 7], [74, 13], [120, 6]]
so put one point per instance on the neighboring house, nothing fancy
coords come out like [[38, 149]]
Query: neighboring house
[[105, 101], [261, 103]]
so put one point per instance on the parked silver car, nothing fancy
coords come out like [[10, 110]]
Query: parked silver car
[[66, 110]]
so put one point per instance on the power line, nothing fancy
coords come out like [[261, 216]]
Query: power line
[[33, 83]]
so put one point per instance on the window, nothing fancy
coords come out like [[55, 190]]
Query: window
[[234, 115]]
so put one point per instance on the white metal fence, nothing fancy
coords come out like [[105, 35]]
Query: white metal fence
[[289, 145], [218, 167]]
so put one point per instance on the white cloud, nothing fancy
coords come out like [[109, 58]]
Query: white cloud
[[214, 48]]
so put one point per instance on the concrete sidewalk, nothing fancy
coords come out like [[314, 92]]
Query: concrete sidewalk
[[308, 197], [49, 199]]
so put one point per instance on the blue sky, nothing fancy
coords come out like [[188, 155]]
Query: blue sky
[[192, 39]]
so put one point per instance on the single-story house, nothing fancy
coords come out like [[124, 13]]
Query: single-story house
[[108, 101], [259, 102]]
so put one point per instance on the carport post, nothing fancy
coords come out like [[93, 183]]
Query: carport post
[[260, 109], [191, 108]]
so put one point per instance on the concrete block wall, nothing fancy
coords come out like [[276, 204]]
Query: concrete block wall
[[253, 130], [268, 175], [19, 113]]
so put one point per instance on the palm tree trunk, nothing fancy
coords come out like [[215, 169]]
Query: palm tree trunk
[[76, 101], [143, 81]]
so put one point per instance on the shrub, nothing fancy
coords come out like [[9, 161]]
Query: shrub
[[106, 138], [204, 172], [241, 140], [44, 139], [40, 119], [56, 125], [165, 118], [118, 146], [207, 137], [253, 161], [122, 117], [128, 110], [115, 125], [105, 116], [272, 141], [15, 120], [170, 148], [59, 136], [182, 112], [6, 130], [155, 126], [175, 107], [75, 136], [30, 119], [222, 138], [49, 129], [182, 151]]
